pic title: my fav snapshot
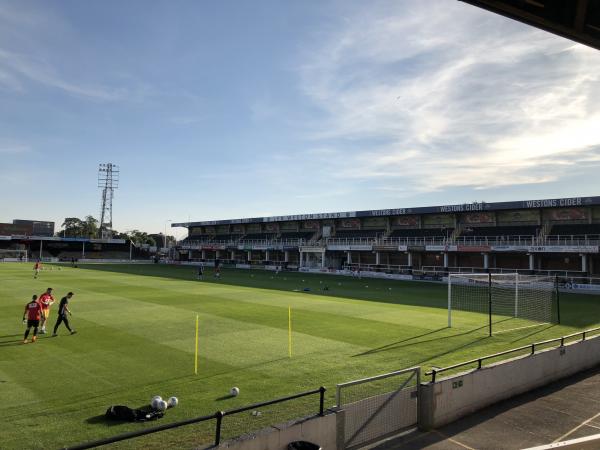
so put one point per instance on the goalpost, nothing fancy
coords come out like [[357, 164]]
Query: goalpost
[[13, 255], [509, 300]]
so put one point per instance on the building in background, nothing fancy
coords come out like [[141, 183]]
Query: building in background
[[20, 227]]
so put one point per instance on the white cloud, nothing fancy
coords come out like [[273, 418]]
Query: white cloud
[[9, 147], [423, 96], [15, 67]]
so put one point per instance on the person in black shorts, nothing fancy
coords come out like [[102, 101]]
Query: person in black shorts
[[63, 310], [33, 311], [200, 271]]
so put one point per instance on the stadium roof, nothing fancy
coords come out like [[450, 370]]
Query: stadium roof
[[458, 208], [578, 20]]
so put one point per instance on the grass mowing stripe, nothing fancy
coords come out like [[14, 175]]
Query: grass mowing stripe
[[137, 332]]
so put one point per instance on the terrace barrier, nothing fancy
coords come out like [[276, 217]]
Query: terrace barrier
[[465, 392], [531, 348]]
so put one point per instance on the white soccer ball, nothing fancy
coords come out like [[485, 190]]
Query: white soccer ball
[[235, 391], [155, 401], [162, 405], [172, 402]]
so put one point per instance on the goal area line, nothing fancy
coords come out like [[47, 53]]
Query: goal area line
[[522, 328]]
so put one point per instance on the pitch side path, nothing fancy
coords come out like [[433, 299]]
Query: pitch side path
[[567, 409], [136, 339]]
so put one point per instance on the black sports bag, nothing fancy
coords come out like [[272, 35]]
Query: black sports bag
[[127, 414]]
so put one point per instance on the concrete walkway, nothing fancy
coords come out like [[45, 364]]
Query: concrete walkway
[[564, 410]]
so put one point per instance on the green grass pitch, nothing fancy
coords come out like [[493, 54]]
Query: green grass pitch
[[136, 327]]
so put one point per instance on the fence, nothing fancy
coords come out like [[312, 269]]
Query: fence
[[388, 268], [463, 269], [218, 417], [378, 406], [531, 349]]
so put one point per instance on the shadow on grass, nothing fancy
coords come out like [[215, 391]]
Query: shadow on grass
[[102, 419], [11, 335], [395, 344], [452, 350], [533, 333], [403, 343], [11, 343], [224, 397]]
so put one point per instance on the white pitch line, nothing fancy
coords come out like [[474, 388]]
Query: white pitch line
[[575, 429], [520, 328]]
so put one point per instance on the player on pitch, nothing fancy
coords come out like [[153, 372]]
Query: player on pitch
[[36, 269], [63, 310], [33, 311], [46, 300]]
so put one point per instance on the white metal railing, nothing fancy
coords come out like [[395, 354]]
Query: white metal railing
[[498, 240], [522, 240], [421, 240], [198, 243], [575, 239], [561, 273], [351, 241], [394, 268]]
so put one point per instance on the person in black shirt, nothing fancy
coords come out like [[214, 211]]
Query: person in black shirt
[[63, 310]]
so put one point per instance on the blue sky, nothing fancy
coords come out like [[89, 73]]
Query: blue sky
[[217, 110]]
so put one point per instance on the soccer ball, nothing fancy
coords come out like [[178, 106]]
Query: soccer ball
[[172, 402], [162, 405], [155, 401], [234, 391]]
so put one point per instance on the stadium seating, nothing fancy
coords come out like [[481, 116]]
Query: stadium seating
[[353, 234], [422, 232], [512, 230], [198, 237], [259, 237], [297, 235], [591, 230], [226, 238]]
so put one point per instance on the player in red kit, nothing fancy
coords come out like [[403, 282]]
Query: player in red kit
[[46, 300], [37, 268], [33, 311]]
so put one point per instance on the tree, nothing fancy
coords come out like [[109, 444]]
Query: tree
[[90, 226], [72, 227], [140, 238]]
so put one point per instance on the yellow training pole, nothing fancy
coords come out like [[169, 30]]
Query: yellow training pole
[[290, 331], [196, 354]]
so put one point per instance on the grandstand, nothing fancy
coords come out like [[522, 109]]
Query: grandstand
[[56, 249], [547, 236]]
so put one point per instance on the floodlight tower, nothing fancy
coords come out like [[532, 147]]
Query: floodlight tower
[[108, 181]]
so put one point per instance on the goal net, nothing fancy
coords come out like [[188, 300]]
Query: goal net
[[13, 255], [510, 301]]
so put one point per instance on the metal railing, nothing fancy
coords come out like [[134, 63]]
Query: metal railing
[[498, 240], [516, 240], [196, 244], [531, 348], [389, 268], [218, 416], [575, 239]]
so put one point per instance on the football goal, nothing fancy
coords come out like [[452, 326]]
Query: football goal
[[13, 255], [509, 300]]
